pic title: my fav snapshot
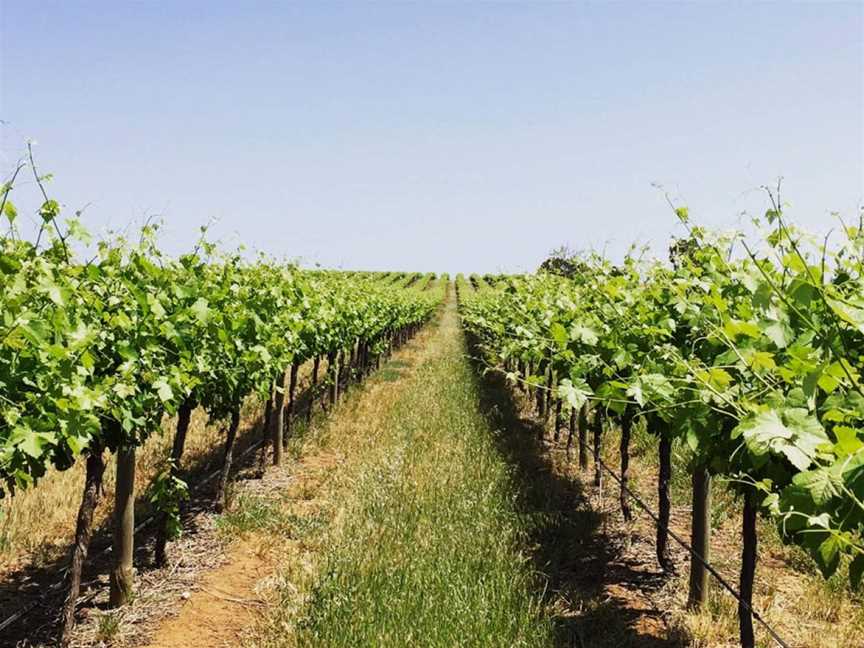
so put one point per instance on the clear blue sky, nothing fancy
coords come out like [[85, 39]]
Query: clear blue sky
[[435, 136]]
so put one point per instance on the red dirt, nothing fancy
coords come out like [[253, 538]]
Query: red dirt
[[224, 603]]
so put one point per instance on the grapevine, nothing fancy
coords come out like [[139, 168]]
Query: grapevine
[[749, 353]]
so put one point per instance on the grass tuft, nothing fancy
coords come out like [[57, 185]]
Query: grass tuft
[[254, 514], [109, 628]]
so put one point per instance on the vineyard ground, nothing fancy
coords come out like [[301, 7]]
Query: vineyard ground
[[424, 507]]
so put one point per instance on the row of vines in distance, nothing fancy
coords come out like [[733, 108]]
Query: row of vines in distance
[[94, 353], [749, 354]]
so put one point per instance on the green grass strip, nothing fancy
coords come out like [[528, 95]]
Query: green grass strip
[[430, 552]]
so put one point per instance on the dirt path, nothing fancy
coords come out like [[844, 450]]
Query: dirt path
[[224, 602]]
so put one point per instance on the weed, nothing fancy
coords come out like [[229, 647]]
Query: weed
[[389, 375], [248, 514], [109, 627]]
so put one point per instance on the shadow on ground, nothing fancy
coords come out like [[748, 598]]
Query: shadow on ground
[[596, 597]]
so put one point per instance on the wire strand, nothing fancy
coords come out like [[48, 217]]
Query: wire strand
[[726, 585]]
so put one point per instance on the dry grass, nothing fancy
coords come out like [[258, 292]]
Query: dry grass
[[37, 524]]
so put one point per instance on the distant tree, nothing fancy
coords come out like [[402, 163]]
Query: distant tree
[[562, 261]]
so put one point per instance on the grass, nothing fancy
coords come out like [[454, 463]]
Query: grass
[[425, 548], [389, 375], [257, 514], [109, 627], [249, 514]]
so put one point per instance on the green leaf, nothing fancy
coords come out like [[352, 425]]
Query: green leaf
[[123, 390], [762, 430], [735, 328], [127, 352], [54, 292], [584, 334], [822, 484], [35, 331], [809, 433], [693, 439], [847, 440], [575, 395], [796, 456], [811, 381], [163, 389], [34, 443], [76, 444], [9, 211], [156, 306], [777, 333], [849, 313], [635, 391], [77, 231], [49, 210], [559, 334], [716, 378], [828, 383], [749, 278], [762, 360], [829, 555], [796, 435], [200, 309]]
